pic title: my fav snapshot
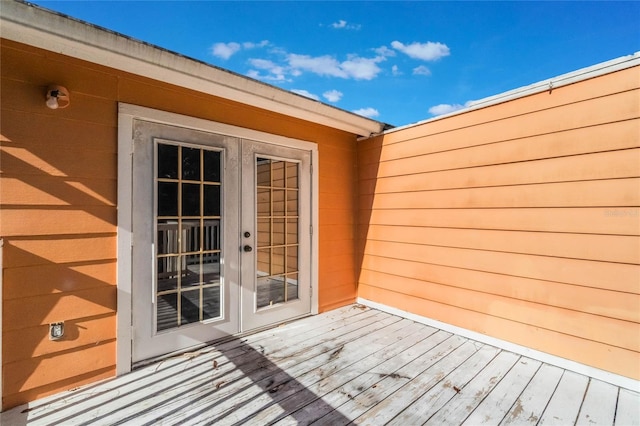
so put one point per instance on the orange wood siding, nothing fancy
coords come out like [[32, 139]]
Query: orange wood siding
[[520, 221], [59, 194]]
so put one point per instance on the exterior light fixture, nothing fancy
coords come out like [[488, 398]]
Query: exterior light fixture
[[57, 97], [56, 330]]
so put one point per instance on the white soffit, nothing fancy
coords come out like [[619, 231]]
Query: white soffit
[[38, 27]]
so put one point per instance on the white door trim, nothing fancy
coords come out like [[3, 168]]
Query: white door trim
[[126, 115]]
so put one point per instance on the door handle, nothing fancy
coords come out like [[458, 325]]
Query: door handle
[[247, 248]]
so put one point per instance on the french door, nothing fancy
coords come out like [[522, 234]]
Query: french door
[[220, 237]]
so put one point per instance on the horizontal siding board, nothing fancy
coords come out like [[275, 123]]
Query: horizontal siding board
[[583, 220], [607, 303], [603, 193], [604, 275], [420, 174], [58, 220], [19, 377], [597, 138], [28, 395], [54, 131], [43, 190], [59, 162], [59, 250], [606, 248], [579, 324], [55, 307], [608, 109], [34, 341], [27, 281], [617, 360], [602, 86]]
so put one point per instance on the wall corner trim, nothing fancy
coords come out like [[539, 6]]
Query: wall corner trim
[[596, 373]]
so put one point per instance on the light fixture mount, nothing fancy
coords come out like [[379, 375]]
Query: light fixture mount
[[57, 97]]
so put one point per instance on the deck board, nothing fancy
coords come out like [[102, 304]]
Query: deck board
[[565, 403], [353, 365]]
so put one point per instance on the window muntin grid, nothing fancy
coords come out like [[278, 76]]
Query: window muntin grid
[[188, 235], [277, 207]]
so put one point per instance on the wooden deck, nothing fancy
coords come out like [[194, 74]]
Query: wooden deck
[[351, 365]]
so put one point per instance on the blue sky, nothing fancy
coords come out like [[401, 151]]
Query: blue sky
[[396, 62]]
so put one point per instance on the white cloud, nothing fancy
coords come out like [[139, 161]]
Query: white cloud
[[362, 68], [421, 70], [251, 45], [395, 70], [225, 50], [321, 65], [263, 64], [276, 72], [306, 93], [355, 67], [344, 25], [266, 77], [428, 51], [340, 24], [332, 95], [367, 112], [449, 108], [444, 109], [384, 51]]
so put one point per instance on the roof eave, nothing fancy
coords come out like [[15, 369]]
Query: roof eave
[[38, 27]]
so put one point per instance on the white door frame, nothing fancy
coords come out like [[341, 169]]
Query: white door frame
[[126, 115]]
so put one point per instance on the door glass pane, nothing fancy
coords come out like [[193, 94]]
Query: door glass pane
[[277, 231], [210, 302], [292, 202], [167, 199], [167, 273], [212, 166], [292, 231], [263, 198], [190, 199], [211, 268], [189, 237], [212, 200], [190, 306], [292, 259], [292, 286], [191, 163], [167, 236], [191, 270], [211, 235], [277, 173], [278, 203], [263, 232], [167, 161], [292, 175], [167, 311], [263, 172], [277, 260]]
